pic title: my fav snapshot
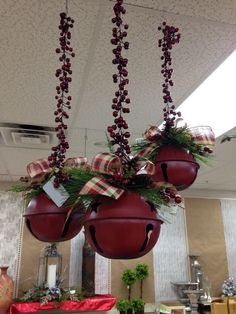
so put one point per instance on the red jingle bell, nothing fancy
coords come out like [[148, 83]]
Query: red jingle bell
[[176, 166], [122, 229], [49, 223]]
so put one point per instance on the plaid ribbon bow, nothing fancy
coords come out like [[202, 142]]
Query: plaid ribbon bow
[[111, 165], [37, 170], [108, 164], [203, 135], [76, 162]]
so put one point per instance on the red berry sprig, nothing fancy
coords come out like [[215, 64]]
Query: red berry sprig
[[118, 131], [171, 36], [57, 157], [170, 195]]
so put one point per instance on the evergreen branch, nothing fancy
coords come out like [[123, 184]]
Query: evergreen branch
[[151, 195], [109, 144]]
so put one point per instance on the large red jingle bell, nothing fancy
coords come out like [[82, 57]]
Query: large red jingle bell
[[122, 229], [176, 166], [49, 223]]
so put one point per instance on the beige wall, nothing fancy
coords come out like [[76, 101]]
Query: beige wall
[[206, 238], [119, 289]]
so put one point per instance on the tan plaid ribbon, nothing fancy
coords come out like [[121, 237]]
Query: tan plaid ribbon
[[38, 169], [151, 132], [110, 164], [106, 163], [100, 186], [76, 162], [146, 150], [203, 135]]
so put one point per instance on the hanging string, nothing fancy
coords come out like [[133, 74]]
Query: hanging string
[[66, 5], [85, 142]]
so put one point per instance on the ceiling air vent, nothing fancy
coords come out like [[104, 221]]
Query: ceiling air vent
[[29, 136]]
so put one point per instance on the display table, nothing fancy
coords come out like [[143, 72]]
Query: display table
[[95, 303]]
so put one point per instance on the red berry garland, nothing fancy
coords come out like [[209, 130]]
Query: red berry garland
[[118, 131], [57, 157], [171, 36]]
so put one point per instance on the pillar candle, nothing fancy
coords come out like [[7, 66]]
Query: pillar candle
[[51, 278]]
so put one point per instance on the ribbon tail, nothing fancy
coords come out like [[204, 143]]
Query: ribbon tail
[[146, 150], [76, 162], [100, 186], [203, 135], [146, 167]]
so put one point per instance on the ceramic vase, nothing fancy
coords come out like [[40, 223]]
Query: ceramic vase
[[6, 290]]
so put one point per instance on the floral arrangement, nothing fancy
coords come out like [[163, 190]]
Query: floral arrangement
[[195, 140], [44, 294], [229, 287], [109, 174]]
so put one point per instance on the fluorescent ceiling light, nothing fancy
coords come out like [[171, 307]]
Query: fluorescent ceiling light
[[213, 103]]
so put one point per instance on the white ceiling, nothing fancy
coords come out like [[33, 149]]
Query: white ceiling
[[29, 35]]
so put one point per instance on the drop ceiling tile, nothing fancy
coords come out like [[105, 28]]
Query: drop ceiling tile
[[224, 11], [29, 61], [16, 159], [202, 48]]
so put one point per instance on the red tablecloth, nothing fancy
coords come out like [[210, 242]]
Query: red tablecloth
[[95, 303]]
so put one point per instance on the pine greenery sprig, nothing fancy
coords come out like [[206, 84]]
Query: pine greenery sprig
[[151, 195], [178, 137], [78, 177]]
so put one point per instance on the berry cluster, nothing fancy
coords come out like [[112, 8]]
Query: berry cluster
[[170, 195], [206, 150], [57, 157], [118, 131], [171, 36]]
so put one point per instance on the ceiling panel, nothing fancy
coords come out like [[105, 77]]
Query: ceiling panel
[[223, 11], [17, 159], [202, 48], [29, 31]]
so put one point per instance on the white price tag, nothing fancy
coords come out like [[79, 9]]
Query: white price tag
[[57, 195]]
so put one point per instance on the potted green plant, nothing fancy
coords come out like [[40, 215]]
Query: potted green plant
[[129, 278], [129, 307], [141, 273], [122, 305], [138, 306]]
